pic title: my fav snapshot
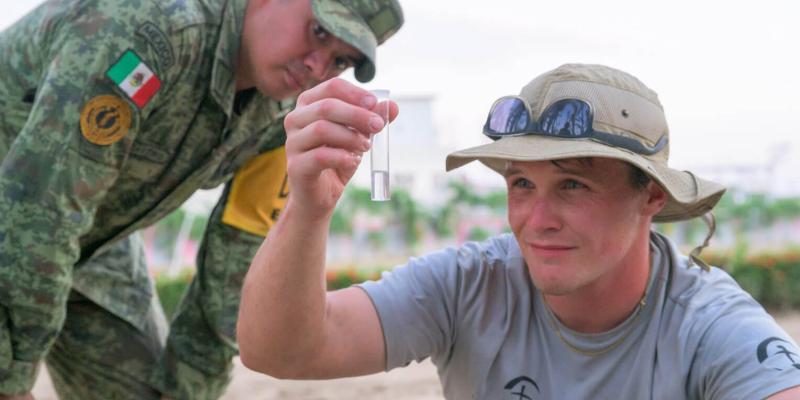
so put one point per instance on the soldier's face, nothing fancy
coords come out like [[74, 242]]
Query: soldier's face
[[285, 51]]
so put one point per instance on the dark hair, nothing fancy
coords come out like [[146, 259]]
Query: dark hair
[[638, 178]]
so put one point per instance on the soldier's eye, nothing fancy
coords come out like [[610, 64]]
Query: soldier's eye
[[343, 63], [319, 32]]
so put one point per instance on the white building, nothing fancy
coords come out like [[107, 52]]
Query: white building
[[416, 153], [776, 173]]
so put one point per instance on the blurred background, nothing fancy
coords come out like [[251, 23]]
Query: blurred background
[[726, 73]]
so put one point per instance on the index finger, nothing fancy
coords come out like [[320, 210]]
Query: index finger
[[340, 89]]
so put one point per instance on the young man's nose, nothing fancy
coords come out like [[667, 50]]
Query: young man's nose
[[543, 216]]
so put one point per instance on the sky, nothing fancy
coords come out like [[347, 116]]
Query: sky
[[727, 72]]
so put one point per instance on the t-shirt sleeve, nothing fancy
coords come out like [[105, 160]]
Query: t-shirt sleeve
[[744, 353], [416, 306], [422, 304]]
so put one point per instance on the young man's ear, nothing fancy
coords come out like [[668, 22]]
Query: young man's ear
[[656, 198]]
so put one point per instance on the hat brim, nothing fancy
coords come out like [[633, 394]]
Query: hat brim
[[349, 27], [689, 195]]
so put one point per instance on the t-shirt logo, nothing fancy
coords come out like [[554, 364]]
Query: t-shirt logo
[[521, 388], [778, 354]]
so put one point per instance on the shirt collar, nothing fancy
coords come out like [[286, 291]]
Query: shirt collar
[[223, 80]]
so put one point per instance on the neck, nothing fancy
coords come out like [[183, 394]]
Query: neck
[[609, 300], [241, 76]]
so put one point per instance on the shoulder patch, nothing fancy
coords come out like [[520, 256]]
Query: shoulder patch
[[158, 39], [135, 78], [105, 119]]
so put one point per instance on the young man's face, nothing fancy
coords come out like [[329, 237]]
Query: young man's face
[[285, 51], [578, 222]]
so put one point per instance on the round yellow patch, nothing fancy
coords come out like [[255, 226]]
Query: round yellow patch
[[105, 119]]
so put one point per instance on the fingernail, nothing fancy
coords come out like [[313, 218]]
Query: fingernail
[[356, 157], [369, 101], [376, 123], [365, 144]]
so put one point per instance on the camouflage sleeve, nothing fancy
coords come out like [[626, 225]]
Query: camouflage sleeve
[[202, 341], [57, 170]]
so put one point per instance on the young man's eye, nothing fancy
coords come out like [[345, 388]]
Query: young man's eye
[[521, 183], [573, 184]]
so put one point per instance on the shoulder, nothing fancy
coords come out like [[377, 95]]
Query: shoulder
[[694, 290], [731, 346], [171, 15], [174, 40], [737, 348], [711, 304], [185, 13], [155, 29], [708, 302], [701, 305]]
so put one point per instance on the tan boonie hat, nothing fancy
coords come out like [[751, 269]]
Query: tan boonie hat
[[363, 24], [621, 105]]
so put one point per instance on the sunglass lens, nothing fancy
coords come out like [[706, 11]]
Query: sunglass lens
[[567, 118], [509, 116]]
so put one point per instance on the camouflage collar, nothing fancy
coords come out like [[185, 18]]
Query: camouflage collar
[[223, 83]]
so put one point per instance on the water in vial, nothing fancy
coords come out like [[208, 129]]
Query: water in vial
[[380, 185]]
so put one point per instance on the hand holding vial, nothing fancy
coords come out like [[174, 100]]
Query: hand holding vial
[[328, 132]]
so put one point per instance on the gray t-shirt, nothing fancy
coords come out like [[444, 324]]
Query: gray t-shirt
[[475, 312]]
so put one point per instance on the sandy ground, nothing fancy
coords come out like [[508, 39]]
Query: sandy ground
[[417, 381]]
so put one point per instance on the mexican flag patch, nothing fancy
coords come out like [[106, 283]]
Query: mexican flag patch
[[135, 78]]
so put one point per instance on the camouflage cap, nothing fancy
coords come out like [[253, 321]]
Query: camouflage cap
[[363, 24]]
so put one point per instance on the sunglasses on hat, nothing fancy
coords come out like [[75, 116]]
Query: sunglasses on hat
[[566, 118]]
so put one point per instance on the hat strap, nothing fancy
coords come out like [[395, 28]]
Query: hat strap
[[694, 256]]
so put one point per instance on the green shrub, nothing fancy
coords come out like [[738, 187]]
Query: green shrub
[[754, 281], [478, 234], [771, 278], [170, 290], [346, 277]]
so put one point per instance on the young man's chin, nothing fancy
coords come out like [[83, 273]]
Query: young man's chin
[[553, 278], [554, 288]]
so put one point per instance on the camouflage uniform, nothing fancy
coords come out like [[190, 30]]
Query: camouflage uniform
[[88, 160]]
